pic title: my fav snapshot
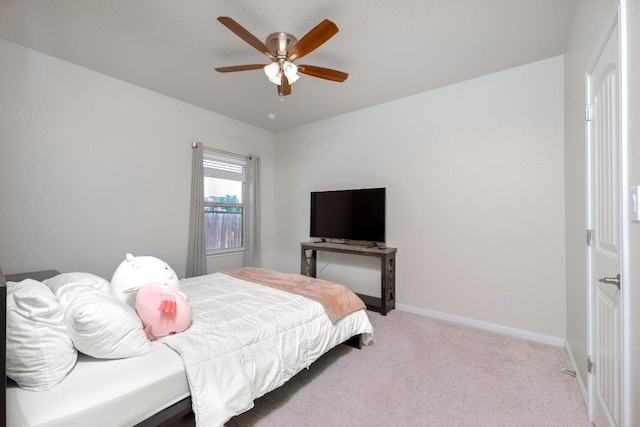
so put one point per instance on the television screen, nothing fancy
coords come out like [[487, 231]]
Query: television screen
[[348, 215]]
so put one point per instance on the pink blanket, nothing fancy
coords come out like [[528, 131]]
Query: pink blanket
[[337, 300]]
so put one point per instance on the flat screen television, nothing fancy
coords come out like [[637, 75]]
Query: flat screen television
[[349, 215]]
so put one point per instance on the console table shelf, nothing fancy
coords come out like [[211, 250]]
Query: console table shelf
[[387, 300]]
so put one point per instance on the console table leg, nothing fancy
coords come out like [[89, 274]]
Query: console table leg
[[388, 287]]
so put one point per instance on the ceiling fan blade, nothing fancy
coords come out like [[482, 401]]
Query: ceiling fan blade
[[314, 38], [285, 88], [323, 73], [233, 68], [245, 35]]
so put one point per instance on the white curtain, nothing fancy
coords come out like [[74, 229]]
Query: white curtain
[[196, 256], [252, 255]]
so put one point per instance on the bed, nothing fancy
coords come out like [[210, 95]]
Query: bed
[[246, 339]]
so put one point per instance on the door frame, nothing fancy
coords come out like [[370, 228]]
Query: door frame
[[617, 17]]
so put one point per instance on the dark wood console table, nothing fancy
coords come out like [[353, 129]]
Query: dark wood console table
[[387, 300]]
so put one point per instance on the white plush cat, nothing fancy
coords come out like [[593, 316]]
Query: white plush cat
[[137, 271]]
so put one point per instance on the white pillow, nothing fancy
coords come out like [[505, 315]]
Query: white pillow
[[40, 353], [99, 324], [86, 279]]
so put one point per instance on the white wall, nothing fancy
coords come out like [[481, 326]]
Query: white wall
[[589, 21], [92, 167], [475, 194]]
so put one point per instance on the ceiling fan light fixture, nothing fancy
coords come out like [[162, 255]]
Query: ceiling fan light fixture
[[277, 80], [291, 71], [272, 70]]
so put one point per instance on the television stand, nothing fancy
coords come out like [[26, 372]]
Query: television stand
[[387, 255]]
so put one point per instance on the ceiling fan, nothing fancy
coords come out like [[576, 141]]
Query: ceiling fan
[[283, 49]]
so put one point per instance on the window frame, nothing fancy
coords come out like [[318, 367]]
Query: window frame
[[228, 169]]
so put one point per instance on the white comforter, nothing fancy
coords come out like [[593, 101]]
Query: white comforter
[[247, 339]]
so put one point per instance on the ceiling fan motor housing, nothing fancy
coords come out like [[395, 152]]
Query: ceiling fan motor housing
[[281, 43]]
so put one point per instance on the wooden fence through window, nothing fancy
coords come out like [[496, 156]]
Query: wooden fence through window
[[223, 230]]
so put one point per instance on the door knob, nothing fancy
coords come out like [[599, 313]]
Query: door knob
[[611, 280]]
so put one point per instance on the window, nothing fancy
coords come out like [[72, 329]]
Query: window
[[224, 187]]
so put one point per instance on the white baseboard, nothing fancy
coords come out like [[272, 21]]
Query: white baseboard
[[532, 336], [574, 366]]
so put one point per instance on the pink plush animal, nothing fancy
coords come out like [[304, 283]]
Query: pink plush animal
[[162, 309]]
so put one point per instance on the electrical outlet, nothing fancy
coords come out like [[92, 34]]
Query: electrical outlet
[[504, 298]]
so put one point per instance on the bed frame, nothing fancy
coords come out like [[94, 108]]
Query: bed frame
[[179, 414]]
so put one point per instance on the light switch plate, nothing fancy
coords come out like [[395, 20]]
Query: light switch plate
[[635, 203]]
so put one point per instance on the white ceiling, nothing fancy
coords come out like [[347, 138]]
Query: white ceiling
[[391, 49]]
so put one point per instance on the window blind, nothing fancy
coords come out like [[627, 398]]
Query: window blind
[[218, 165]]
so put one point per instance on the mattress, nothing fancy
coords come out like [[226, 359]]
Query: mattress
[[111, 393]]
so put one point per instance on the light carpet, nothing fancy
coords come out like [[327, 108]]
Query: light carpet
[[428, 372]]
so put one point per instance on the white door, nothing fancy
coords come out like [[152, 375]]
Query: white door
[[605, 221]]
